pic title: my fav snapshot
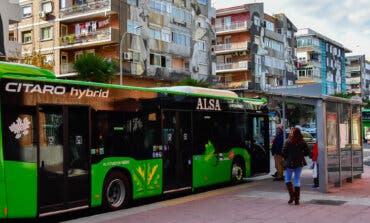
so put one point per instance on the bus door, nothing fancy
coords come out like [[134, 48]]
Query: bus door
[[63, 157], [177, 150], [258, 143]]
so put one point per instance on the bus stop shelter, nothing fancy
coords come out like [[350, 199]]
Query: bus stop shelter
[[338, 128]]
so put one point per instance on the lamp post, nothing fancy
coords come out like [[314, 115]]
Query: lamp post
[[121, 54]]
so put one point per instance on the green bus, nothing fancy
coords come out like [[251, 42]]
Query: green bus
[[67, 145], [366, 124]]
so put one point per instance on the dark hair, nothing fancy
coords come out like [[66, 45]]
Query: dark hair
[[297, 136]]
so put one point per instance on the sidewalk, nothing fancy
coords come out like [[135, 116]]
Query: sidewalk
[[261, 200]]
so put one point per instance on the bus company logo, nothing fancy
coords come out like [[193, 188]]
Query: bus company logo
[[20, 127], [55, 90], [208, 104]]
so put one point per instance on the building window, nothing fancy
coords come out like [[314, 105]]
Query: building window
[[26, 11], [270, 26], [155, 59], [166, 35], [201, 45], [46, 33], [288, 34], [301, 73], [256, 21], [155, 34], [133, 27], [47, 7], [135, 57], [132, 2], [203, 2], [181, 39], [26, 37]]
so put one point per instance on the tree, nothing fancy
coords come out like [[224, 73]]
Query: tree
[[34, 58], [92, 67], [188, 81]]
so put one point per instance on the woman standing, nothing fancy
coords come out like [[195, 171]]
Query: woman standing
[[295, 149]]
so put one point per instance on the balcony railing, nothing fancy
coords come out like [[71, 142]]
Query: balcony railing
[[99, 36], [353, 68], [234, 26], [232, 67], [66, 68], [84, 8], [353, 80], [230, 47], [233, 84]]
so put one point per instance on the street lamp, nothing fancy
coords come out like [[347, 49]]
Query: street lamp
[[121, 54]]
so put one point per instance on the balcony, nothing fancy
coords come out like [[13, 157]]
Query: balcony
[[231, 47], [67, 68], [353, 69], [353, 80], [234, 27], [233, 84], [232, 67], [90, 9], [308, 80], [100, 37], [312, 62]]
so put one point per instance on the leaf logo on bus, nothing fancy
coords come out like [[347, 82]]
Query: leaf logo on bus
[[20, 127]]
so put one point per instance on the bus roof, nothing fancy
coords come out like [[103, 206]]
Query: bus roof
[[199, 90], [32, 73], [24, 70]]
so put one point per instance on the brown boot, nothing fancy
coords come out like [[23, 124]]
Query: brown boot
[[297, 191], [289, 186]]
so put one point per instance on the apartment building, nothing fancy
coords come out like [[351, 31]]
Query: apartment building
[[320, 60], [252, 48], [357, 77], [169, 39], [9, 14], [160, 41]]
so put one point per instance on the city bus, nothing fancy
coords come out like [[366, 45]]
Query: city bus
[[66, 145], [366, 124]]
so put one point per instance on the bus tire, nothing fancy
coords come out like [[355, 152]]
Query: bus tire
[[237, 171], [116, 191]]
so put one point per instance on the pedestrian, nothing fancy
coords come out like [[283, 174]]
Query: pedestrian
[[315, 166], [294, 151], [277, 152]]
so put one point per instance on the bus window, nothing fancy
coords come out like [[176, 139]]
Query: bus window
[[19, 132]]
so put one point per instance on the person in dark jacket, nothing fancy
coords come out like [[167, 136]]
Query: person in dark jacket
[[295, 149], [277, 152]]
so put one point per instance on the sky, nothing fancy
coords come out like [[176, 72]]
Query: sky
[[345, 21]]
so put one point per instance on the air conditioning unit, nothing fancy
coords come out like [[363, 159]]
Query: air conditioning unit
[[235, 54], [42, 15], [127, 55]]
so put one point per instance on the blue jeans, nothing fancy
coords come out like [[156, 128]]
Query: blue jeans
[[297, 176]]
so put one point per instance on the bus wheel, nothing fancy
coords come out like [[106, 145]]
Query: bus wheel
[[237, 172], [116, 192]]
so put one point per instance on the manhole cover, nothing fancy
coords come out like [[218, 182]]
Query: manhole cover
[[327, 202]]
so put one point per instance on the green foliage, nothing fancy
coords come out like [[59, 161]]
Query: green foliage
[[188, 81], [91, 67], [367, 103], [344, 95]]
